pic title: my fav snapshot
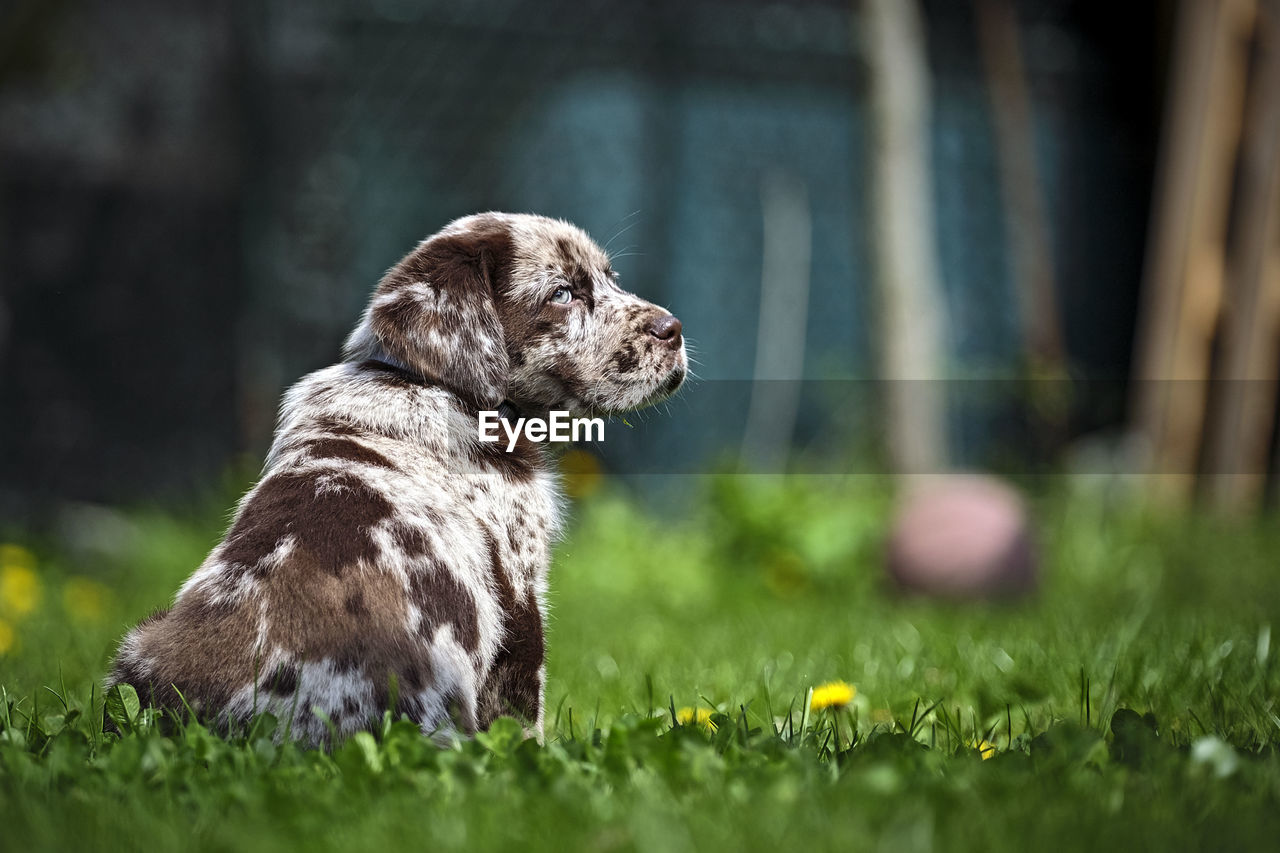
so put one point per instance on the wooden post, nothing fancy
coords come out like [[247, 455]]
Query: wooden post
[[1249, 362], [1186, 250], [911, 303], [1026, 225], [781, 330]]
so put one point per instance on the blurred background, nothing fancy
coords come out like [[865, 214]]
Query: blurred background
[[1035, 243], [1029, 236]]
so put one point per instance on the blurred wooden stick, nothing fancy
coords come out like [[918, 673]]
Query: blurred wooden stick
[[1026, 226], [1186, 249], [1249, 361], [911, 301], [781, 331]]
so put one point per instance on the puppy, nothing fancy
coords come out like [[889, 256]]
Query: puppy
[[388, 558]]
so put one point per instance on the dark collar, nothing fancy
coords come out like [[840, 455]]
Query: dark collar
[[507, 410], [390, 365]]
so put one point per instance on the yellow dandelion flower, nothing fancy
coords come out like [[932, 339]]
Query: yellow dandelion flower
[[581, 472], [84, 599], [785, 574], [695, 716], [19, 588], [833, 694], [985, 748], [6, 637], [16, 555], [19, 585]]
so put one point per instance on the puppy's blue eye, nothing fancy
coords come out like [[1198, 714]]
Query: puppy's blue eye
[[562, 296]]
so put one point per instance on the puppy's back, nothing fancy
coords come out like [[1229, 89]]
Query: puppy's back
[[329, 592]]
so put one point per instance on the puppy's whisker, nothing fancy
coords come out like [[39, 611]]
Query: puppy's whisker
[[623, 230]]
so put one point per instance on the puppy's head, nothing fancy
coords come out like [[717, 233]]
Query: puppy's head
[[522, 308]]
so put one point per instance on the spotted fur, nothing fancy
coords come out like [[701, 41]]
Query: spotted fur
[[387, 558]]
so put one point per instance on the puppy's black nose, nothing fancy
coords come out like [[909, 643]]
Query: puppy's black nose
[[666, 328]]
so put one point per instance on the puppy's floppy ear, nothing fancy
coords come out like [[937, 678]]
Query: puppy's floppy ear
[[434, 314]]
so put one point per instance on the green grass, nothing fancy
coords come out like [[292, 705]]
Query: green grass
[[1131, 703]]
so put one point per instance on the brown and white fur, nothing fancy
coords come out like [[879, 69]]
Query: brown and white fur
[[387, 558]]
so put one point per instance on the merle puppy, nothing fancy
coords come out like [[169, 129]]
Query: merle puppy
[[387, 557]]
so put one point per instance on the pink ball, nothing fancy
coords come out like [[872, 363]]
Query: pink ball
[[962, 536]]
